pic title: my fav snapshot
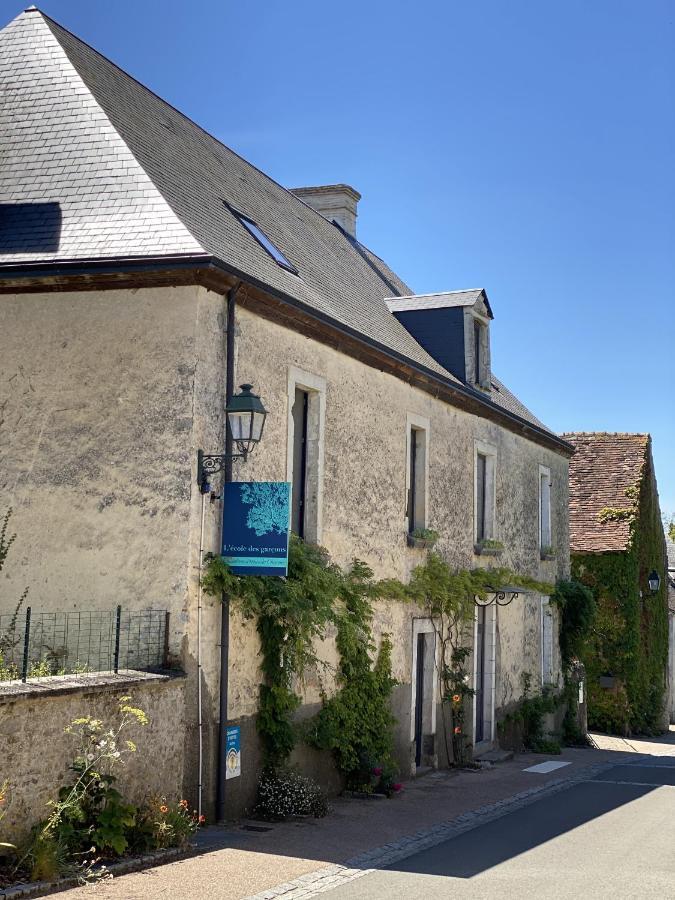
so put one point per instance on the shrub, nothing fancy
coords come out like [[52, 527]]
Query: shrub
[[162, 823], [286, 793]]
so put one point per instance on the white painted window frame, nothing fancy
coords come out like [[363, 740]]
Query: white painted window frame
[[315, 386], [490, 453], [420, 423], [545, 472], [491, 615], [423, 626]]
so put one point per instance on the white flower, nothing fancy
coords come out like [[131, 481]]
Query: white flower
[[117, 754], [90, 756]]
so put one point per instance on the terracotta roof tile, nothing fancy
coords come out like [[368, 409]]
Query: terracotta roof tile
[[603, 469]]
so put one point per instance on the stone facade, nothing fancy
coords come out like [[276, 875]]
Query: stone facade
[[107, 397]]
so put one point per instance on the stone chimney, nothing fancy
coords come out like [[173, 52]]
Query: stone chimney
[[334, 201]]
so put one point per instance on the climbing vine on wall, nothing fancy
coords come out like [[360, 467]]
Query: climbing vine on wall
[[448, 600], [628, 642], [356, 723], [291, 615]]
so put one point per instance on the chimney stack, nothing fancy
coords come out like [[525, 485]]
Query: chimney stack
[[334, 201]]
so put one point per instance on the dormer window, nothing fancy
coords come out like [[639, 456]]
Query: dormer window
[[452, 327]]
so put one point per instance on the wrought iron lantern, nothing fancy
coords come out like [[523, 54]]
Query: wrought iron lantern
[[246, 419], [654, 581]]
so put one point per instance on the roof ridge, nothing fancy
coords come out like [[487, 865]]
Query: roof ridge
[[623, 434]]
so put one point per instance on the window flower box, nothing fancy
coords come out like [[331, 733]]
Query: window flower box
[[488, 547], [422, 538]]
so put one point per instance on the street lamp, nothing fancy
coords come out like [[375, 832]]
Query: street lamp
[[246, 419], [654, 581]]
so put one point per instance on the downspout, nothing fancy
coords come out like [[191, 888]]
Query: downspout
[[200, 716], [225, 614]]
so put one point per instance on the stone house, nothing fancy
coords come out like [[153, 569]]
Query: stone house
[[616, 546], [130, 240]]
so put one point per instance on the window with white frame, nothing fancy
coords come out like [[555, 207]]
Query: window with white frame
[[417, 470], [305, 450], [485, 458], [544, 508], [546, 642]]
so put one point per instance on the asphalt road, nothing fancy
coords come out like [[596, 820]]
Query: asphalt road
[[612, 837]]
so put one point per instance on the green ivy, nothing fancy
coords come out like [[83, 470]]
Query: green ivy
[[629, 635]]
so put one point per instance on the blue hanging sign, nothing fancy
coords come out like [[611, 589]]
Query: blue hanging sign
[[256, 519]]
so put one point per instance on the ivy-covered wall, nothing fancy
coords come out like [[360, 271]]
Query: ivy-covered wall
[[628, 645]]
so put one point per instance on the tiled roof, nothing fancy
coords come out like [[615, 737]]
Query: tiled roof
[[605, 471], [97, 166]]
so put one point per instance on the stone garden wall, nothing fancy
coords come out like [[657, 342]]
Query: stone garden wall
[[35, 752]]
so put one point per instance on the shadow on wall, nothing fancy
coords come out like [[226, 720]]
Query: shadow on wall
[[30, 227]]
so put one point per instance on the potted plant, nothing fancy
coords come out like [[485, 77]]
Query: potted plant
[[488, 547], [422, 538]]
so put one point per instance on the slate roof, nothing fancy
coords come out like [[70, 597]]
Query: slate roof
[[96, 166], [445, 300], [603, 469]]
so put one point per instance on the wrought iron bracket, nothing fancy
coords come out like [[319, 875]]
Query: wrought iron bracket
[[210, 464], [498, 598]]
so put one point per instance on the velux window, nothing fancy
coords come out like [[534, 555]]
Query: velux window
[[260, 236]]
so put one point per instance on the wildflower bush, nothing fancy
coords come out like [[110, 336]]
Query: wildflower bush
[[162, 823], [287, 793]]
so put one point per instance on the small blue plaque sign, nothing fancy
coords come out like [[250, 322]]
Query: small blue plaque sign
[[256, 517]]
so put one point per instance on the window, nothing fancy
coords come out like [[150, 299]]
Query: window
[[416, 473], [544, 508], [477, 352], [264, 241], [546, 642], [299, 483], [481, 477], [484, 492], [304, 463]]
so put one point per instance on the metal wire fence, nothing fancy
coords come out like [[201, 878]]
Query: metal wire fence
[[36, 645]]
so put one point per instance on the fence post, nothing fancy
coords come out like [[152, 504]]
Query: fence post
[[26, 643], [118, 622], [165, 659]]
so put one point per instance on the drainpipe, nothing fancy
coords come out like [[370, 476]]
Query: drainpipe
[[225, 613]]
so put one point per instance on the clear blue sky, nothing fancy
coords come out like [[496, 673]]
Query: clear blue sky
[[524, 147]]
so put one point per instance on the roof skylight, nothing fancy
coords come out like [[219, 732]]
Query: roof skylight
[[265, 242]]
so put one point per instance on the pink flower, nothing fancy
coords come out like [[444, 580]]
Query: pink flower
[[377, 770], [398, 787]]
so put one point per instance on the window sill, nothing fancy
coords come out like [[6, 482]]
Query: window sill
[[481, 550], [547, 556]]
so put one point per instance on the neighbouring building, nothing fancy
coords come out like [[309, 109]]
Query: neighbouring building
[[125, 230], [617, 546], [670, 551]]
